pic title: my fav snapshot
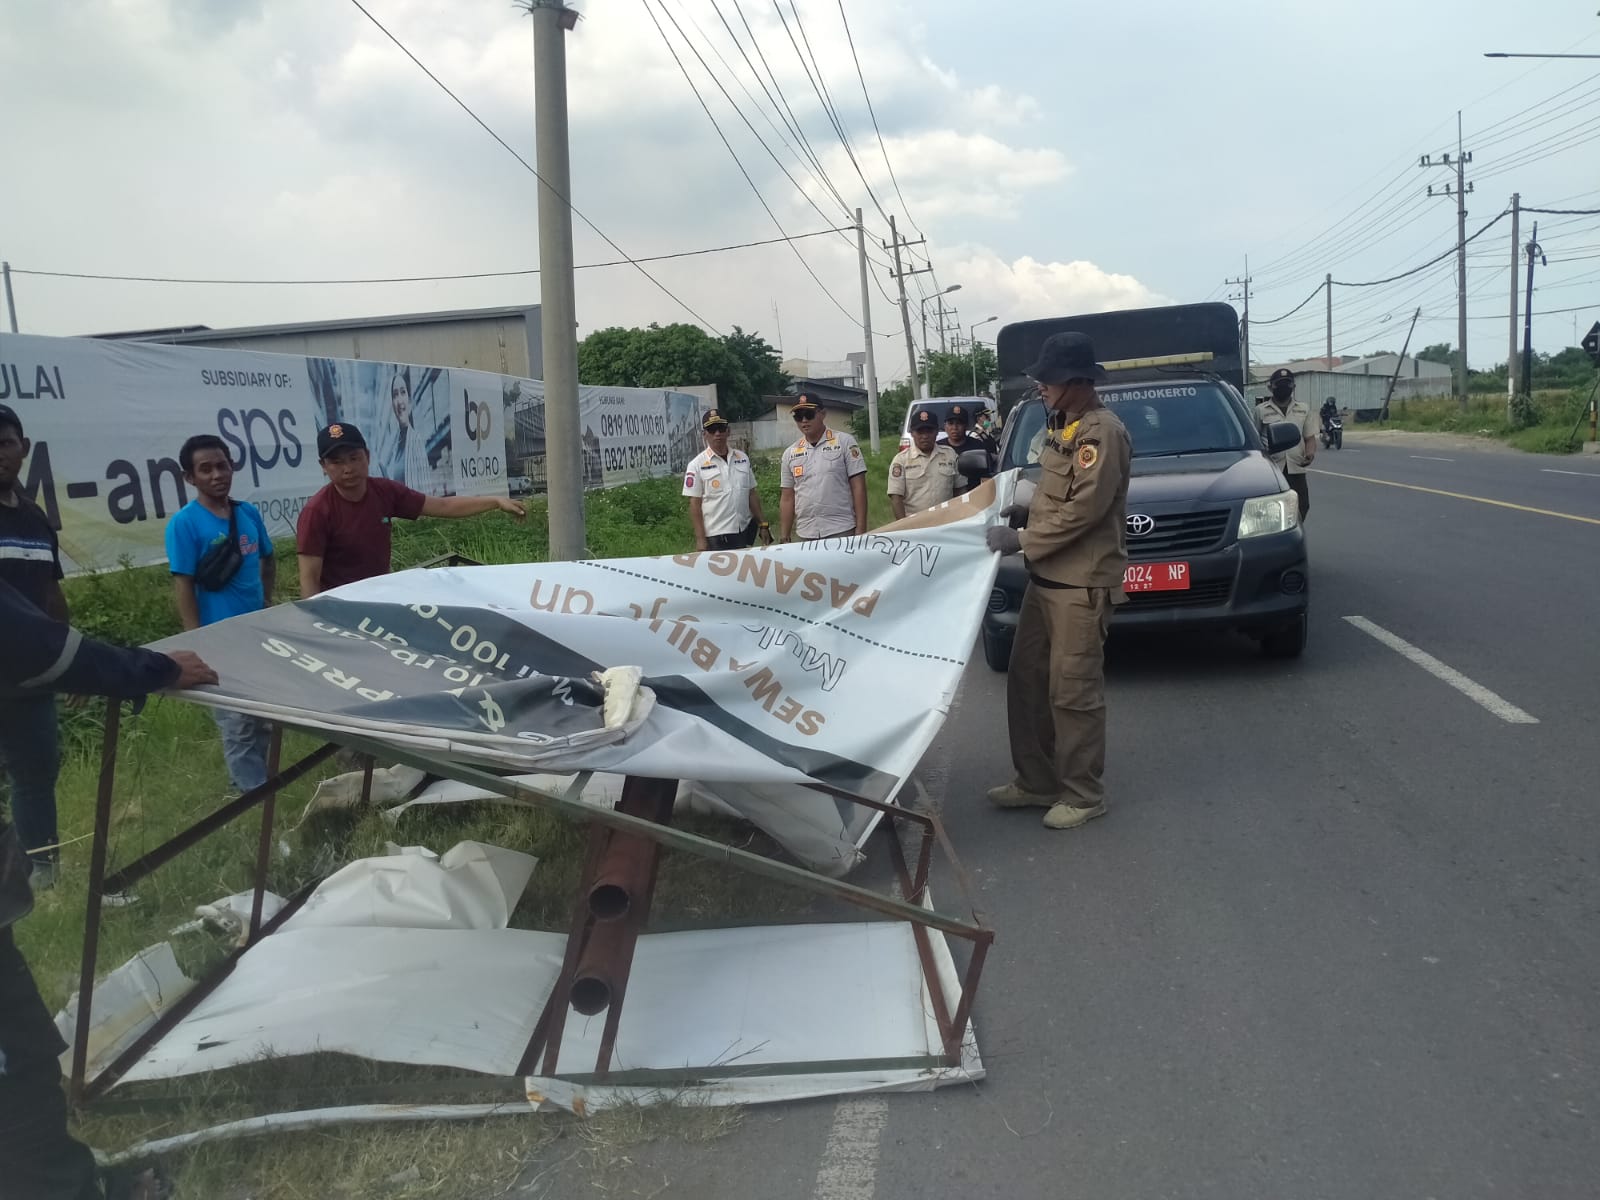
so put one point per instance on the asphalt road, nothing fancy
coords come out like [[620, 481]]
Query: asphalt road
[[1338, 935]]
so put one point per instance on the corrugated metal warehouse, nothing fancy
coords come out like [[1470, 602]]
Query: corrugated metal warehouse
[[505, 341]]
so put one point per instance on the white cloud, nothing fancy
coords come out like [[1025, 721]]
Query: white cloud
[[1026, 289]]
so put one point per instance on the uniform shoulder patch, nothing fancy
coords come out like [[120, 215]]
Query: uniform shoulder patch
[[855, 451], [897, 470], [1088, 455], [688, 480]]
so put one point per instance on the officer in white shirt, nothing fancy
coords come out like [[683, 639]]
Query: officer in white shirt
[[823, 480], [721, 486], [1284, 405]]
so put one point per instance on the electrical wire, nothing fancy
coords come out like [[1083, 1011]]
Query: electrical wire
[[616, 262], [567, 200], [882, 146], [671, 49]]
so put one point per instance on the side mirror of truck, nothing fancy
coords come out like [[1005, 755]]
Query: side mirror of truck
[[973, 462], [1282, 436]]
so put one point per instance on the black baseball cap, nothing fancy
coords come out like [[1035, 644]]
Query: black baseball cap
[[1281, 375], [8, 416], [805, 406], [339, 435], [713, 420], [957, 413], [924, 420]]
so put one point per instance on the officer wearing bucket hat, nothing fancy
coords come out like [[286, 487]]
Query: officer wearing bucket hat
[[1283, 405], [721, 485], [926, 472], [1073, 543]]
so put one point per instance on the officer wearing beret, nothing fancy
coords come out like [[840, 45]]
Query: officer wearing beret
[[1073, 542], [1283, 405], [961, 435], [823, 480], [721, 485], [924, 473]]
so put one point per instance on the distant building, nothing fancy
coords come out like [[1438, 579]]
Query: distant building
[[849, 372], [503, 341]]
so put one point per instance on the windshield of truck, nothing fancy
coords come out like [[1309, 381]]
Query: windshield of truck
[[1161, 419]]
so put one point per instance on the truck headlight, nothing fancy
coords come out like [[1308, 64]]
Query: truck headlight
[[1269, 514]]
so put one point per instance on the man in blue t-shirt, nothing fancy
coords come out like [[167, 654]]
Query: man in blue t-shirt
[[194, 529]]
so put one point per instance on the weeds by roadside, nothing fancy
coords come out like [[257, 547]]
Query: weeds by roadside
[[1542, 424]]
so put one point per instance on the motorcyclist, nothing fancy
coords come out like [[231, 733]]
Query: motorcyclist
[[1330, 409]]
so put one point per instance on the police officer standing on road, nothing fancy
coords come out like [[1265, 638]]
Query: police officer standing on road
[[1073, 541], [1283, 406], [721, 486], [960, 436], [924, 473], [823, 480]]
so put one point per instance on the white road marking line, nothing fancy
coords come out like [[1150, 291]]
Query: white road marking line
[[1475, 692], [849, 1169], [1585, 474], [1432, 458]]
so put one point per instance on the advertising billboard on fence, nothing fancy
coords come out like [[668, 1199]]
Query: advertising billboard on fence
[[106, 419]]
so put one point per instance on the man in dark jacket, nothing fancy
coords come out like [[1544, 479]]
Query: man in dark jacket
[[39, 1159]]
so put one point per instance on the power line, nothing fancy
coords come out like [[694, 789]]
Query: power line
[[1565, 212], [567, 200], [820, 86], [671, 49], [1440, 258], [849, 37], [616, 262]]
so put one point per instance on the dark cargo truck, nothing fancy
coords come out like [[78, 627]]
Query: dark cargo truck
[[1214, 537]]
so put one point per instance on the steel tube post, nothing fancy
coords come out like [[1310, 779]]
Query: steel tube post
[[97, 879], [558, 321], [866, 335], [11, 303], [264, 847]]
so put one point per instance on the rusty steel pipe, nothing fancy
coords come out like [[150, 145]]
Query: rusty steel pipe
[[603, 966], [623, 874]]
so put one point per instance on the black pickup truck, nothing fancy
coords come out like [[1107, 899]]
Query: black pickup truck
[[1214, 537]]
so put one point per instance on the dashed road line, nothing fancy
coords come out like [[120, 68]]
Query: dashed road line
[[1414, 487], [1476, 692], [849, 1169], [1431, 458], [1557, 471]]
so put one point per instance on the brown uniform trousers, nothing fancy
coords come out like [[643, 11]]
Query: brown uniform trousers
[[1076, 551]]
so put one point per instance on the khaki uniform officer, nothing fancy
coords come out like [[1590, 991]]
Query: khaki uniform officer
[[1074, 546], [823, 480], [1284, 406], [924, 473], [721, 486], [961, 437]]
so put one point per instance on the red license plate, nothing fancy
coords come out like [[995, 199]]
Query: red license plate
[[1156, 577]]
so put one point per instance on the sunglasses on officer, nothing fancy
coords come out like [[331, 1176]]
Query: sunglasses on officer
[[809, 415]]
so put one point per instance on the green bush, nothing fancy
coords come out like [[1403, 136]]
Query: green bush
[[1522, 413]]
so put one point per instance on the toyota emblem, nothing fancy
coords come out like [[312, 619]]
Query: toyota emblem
[[1140, 525]]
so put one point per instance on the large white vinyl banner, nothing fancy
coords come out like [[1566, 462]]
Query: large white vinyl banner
[[107, 418], [762, 671]]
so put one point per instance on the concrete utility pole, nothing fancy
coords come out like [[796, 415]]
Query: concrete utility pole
[[972, 348], [1459, 192], [1516, 259], [1534, 251], [866, 334], [11, 304], [905, 313], [943, 349], [1244, 323], [1327, 287], [558, 316]]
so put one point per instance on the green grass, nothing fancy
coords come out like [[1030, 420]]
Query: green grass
[[170, 772], [1553, 415]]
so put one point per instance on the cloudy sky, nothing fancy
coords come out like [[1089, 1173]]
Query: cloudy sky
[[1058, 156]]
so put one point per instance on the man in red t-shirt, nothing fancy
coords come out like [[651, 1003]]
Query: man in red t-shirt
[[343, 534]]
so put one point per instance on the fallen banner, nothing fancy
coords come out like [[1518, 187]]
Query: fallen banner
[[757, 674]]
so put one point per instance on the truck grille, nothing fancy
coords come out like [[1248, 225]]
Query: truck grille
[[1215, 591], [1177, 534]]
